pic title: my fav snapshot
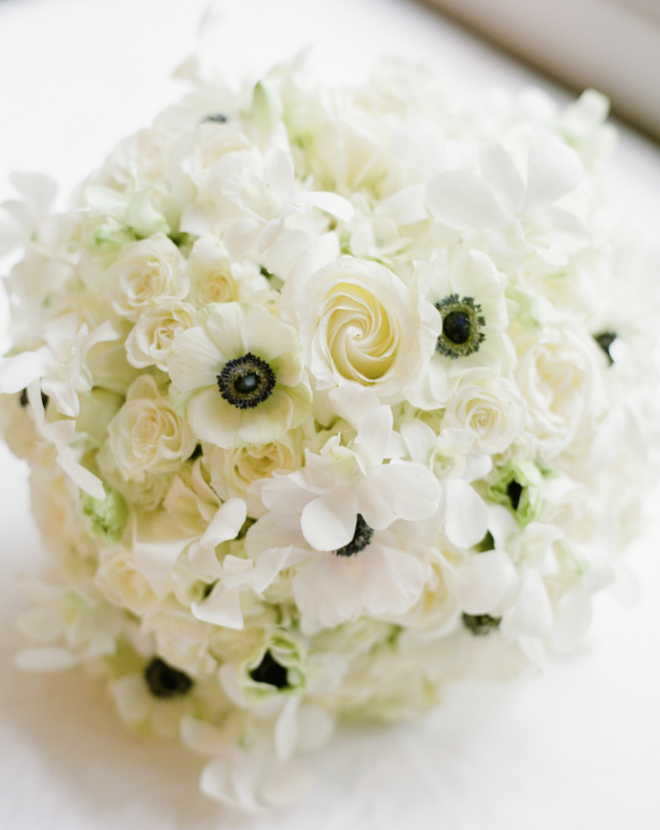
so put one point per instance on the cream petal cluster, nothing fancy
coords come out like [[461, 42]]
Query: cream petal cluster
[[329, 396], [359, 323]]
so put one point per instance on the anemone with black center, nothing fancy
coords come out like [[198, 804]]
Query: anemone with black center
[[462, 322], [481, 624], [246, 381], [361, 538], [269, 671], [215, 118], [166, 682], [605, 340]]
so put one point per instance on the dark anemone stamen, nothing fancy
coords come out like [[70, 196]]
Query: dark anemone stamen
[[269, 671], [246, 381], [166, 682], [514, 492], [480, 624], [462, 322], [605, 340], [217, 118], [361, 538]]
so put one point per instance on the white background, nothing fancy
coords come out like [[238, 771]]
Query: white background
[[575, 748]]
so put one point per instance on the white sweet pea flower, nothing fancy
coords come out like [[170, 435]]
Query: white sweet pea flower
[[462, 512], [334, 514], [500, 195], [243, 376], [25, 216], [61, 363]]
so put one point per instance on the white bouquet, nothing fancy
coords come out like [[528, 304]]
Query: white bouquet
[[329, 396]]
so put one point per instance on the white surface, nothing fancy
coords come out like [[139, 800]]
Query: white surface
[[612, 45], [573, 749]]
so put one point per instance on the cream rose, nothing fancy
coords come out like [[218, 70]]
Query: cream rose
[[234, 470], [146, 272], [121, 582], [147, 435], [150, 341], [489, 406], [358, 322], [211, 280], [559, 379]]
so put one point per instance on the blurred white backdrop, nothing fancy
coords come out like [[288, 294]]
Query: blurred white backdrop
[[574, 748]]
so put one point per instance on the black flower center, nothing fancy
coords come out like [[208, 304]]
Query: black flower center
[[271, 672], [217, 118], [164, 681], [246, 381], [481, 624], [361, 538], [461, 326], [514, 492], [605, 340]]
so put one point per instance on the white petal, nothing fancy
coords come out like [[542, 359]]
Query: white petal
[[553, 170], [226, 523], [331, 203], [225, 327], [480, 582], [48, 658], [214, 419], [411, 490], [573, 616], [221, 607], [499, 171], [326, 589], [462, 200], [391, 581], [194, 360], [353, 402], [268, 421], [19, 371], [374, 434], [157, 558], [328, 522], [286, 729], [466, 515], [531, 615]]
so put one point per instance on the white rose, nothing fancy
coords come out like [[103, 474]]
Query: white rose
[[234, 470], [358, 322], [146, 272], [211, 280], [121, 582], [559, 379], [490, 407], [150, 341], [147, 435]]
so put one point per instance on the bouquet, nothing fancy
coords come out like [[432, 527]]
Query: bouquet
[[329, 396]]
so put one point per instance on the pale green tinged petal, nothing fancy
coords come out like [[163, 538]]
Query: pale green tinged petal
[[214, 419], [268, 421], [194, 360]]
